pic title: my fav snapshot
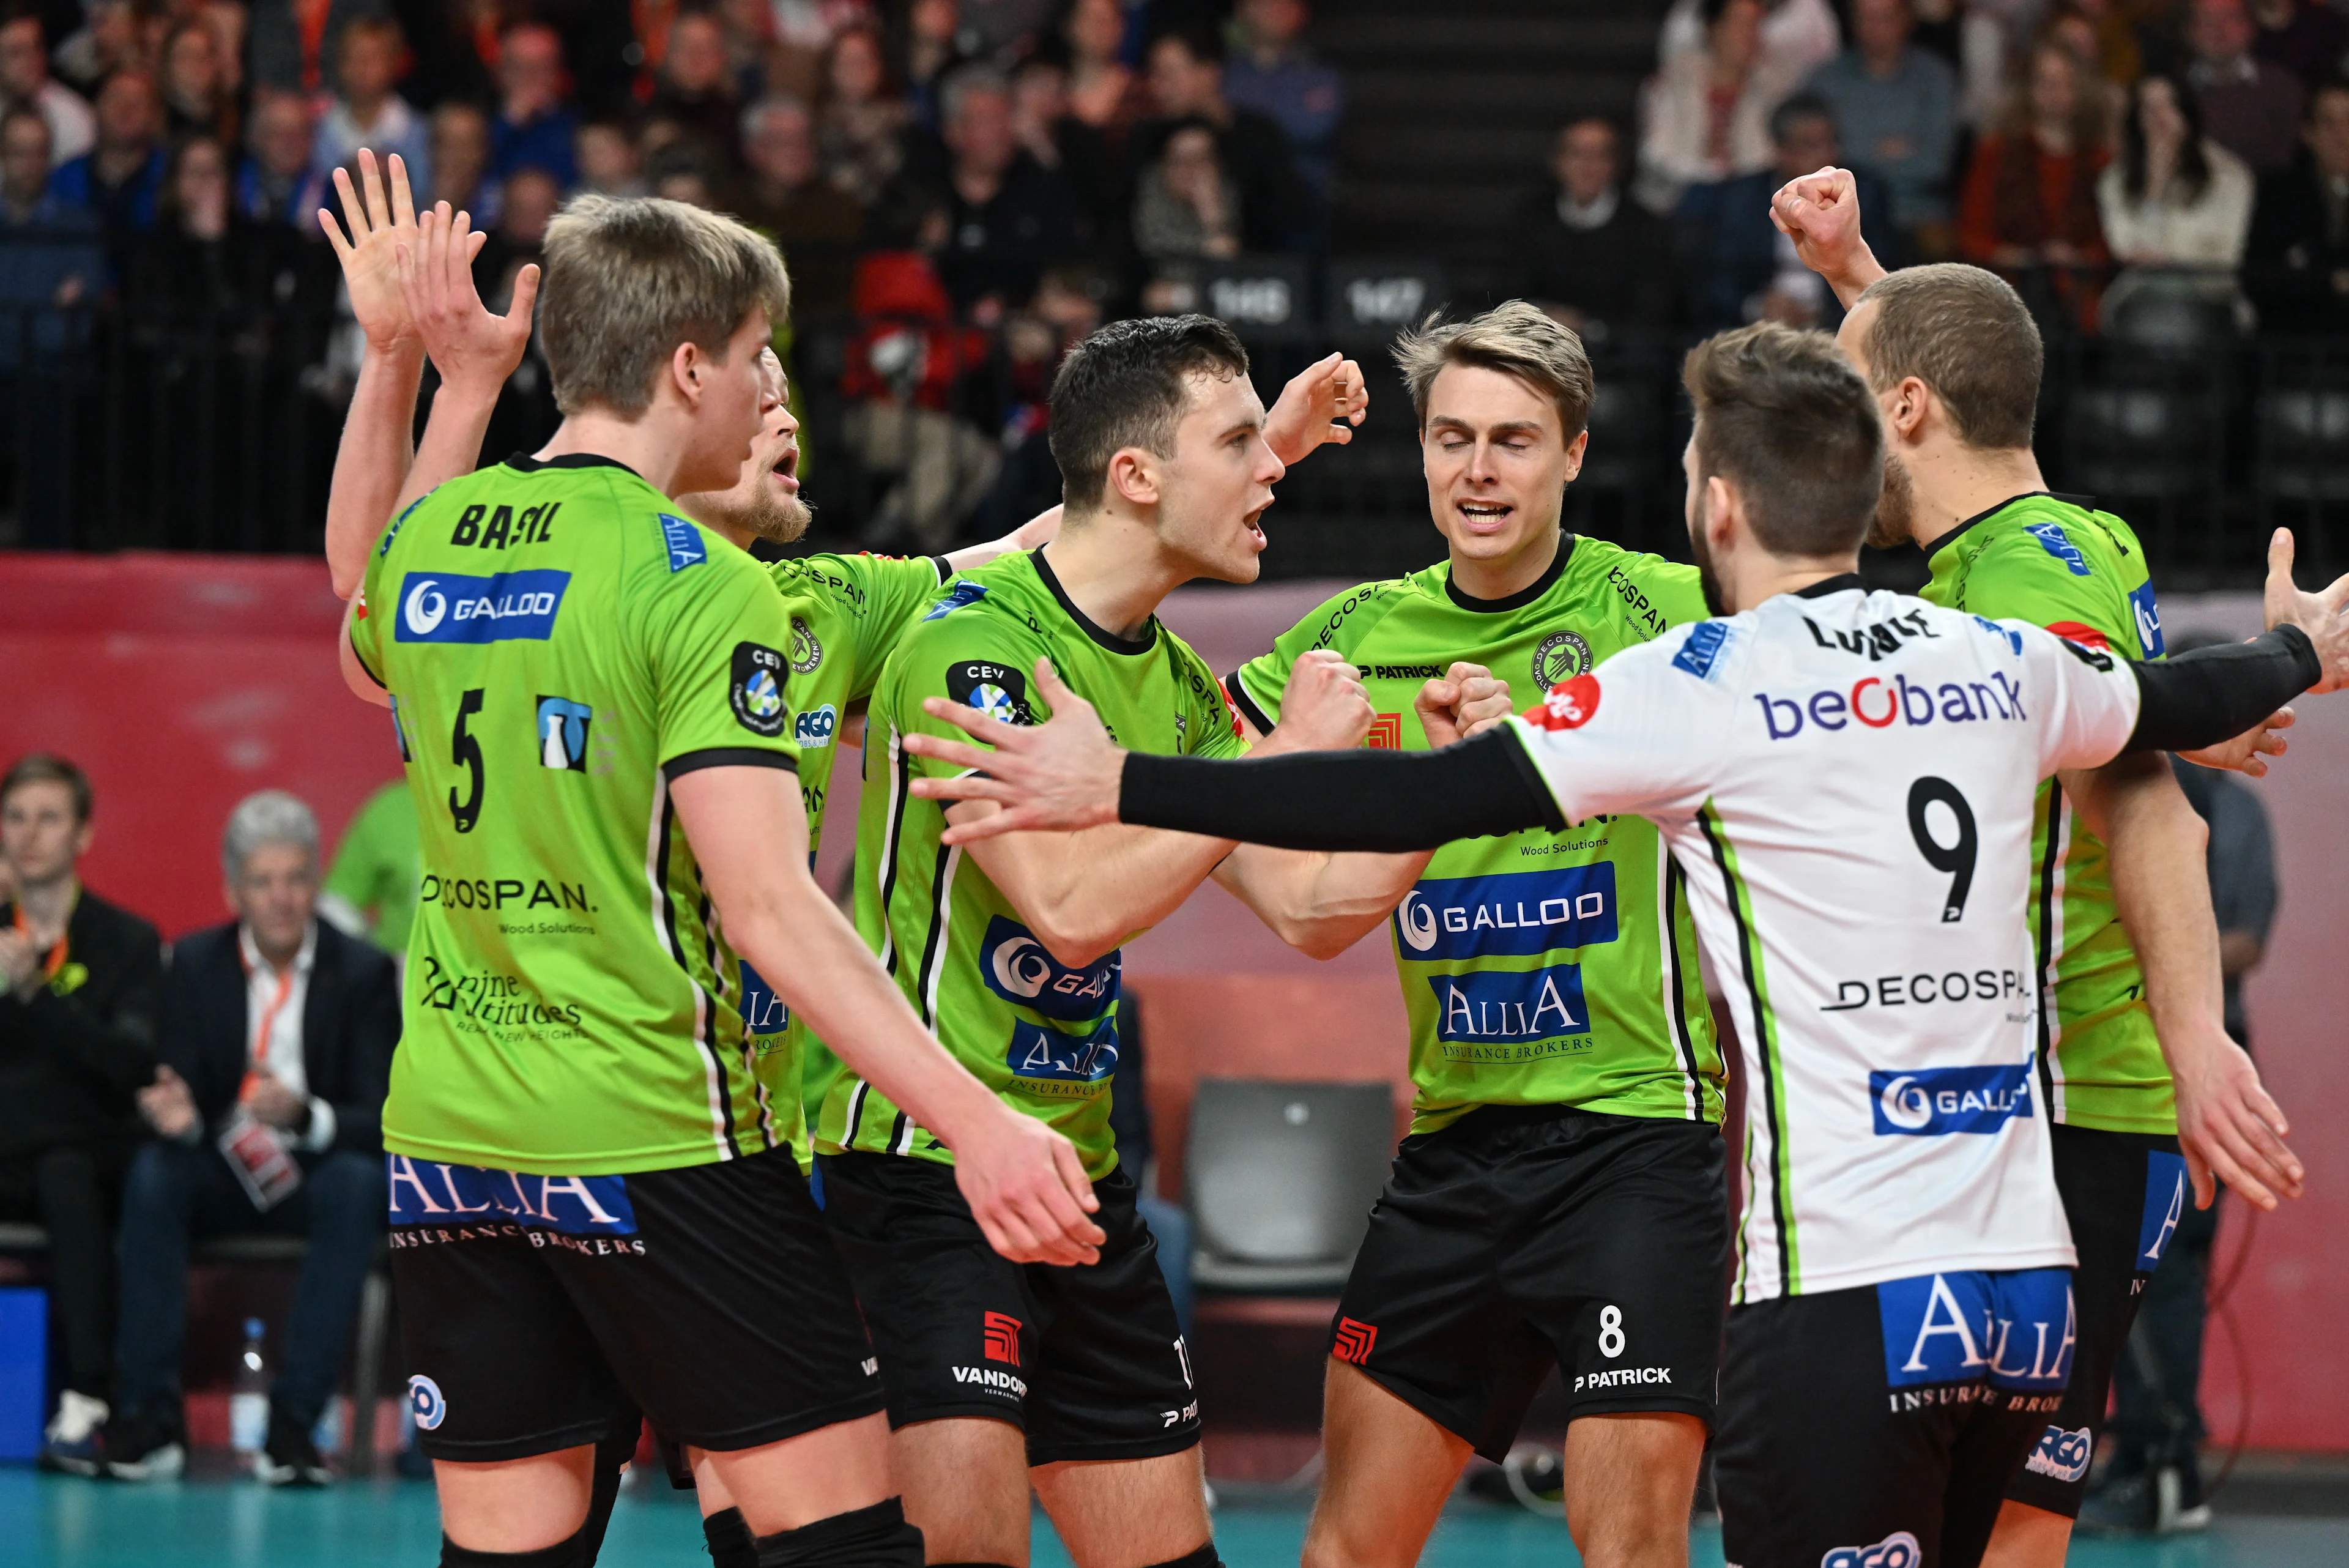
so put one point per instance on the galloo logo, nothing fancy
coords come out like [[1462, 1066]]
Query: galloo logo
[[425, 1402], [1906, 1104], [2061, 1454], [1570, 705], [1897, 1550], [427, 607]]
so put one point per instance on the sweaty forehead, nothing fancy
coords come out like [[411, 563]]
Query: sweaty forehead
[[1220, 401]]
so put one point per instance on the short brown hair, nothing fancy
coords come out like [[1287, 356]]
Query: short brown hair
[[627, 281], [1515, 339], [48, 767], [1966, 333], [1126, 385], [1786, 419]]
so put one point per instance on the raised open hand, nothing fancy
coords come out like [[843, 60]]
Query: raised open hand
[[379, 225], [473, 349], [2317, 614]]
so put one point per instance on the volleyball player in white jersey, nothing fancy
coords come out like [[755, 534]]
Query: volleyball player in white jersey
[[1846, 780]]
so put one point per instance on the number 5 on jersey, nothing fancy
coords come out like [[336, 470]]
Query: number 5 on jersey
[[465, 751]]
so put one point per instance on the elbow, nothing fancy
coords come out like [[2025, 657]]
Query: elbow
[[346, 582], [1072, 946]]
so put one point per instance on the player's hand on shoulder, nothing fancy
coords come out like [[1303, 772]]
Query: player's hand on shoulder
[[474, 350], [1323, 707], [2317, 614], [1027, 1189], [1320, 405], [381, 221], [1466, 700], [1059, 776]]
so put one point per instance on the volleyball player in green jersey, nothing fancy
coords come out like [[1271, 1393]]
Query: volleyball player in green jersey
[[1072, 1382], [1560, 1199], [2147, 1094], [843, 610], [579, 1144]]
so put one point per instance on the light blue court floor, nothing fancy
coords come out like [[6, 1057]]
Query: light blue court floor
[[51, 1522]]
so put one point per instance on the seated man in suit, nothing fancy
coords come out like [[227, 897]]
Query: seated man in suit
[[276, 1038]]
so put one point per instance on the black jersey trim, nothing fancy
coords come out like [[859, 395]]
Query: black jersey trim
[[1676, 985], [713, 955], [361, 659], [901, 778], [1106, 638], [705, 1038], [685, 762], [1250, 710], [936, 936], [1706, 825], [521, 461], [2085, 502], [945, 567], [1834, 585], [1523, 597], [2045, 937]]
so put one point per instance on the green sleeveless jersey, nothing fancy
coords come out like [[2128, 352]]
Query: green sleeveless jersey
[[845, 614], [559, 648], [1538, 968], [2055, 561], [1041, 1035]]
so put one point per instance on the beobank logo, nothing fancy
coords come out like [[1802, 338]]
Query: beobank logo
[[1570, 705], [1878, 704]]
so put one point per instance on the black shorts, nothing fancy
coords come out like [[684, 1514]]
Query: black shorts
[[1089, 1362], [1521, 1238], [2123, 1194], [1878, 1426], [543, 1313]]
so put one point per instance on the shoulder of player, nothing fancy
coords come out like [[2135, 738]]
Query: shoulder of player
[[1341, 621], [987, 628], [846, 579], [1649, 592], [2053, 568]]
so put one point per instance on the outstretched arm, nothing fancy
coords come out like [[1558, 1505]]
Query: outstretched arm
[[474, 351], [375, 454], [1025, 1184], [1085, 890], [1033, 534], [1322, 903], [1319, 407], [1820, 212]]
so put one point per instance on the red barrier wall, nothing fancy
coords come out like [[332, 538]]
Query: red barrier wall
[[184, 682]]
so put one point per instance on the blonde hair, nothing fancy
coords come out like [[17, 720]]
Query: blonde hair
[[627, 281], [1515, 339]]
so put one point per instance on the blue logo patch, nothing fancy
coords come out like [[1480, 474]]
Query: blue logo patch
[[2167, 1194], [1489, 1007], [1514, 915], [1897, 1550], [563, 733], [2057, 543], [814, 727], [2005, 634], [1017, 967], [1700, 647], [963, 592], [685, 545], [2012, 1329], [2062, 1456], [425, 1402], [1041, 1053], [763, 1011], [426, 1192], [1931, 1101], [508, 607], [2148, 619]]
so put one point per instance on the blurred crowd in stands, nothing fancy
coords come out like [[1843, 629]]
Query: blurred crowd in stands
[[963, 187]]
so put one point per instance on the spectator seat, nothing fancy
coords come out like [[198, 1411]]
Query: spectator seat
[[1281, 1177]]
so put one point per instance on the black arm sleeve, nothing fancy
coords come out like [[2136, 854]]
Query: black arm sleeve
[[2214, 694], [1380, 801]]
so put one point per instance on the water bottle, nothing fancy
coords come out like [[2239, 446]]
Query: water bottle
[[248, 1400]]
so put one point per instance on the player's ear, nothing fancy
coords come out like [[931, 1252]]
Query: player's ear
[[1133, 475], [686, 371], [1725, 511], [1574, 452], [1910, 402]]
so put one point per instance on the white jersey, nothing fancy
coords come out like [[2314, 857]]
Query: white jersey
[[1845, 778]]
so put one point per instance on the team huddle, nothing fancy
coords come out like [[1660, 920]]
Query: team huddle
[[835, 1208]]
